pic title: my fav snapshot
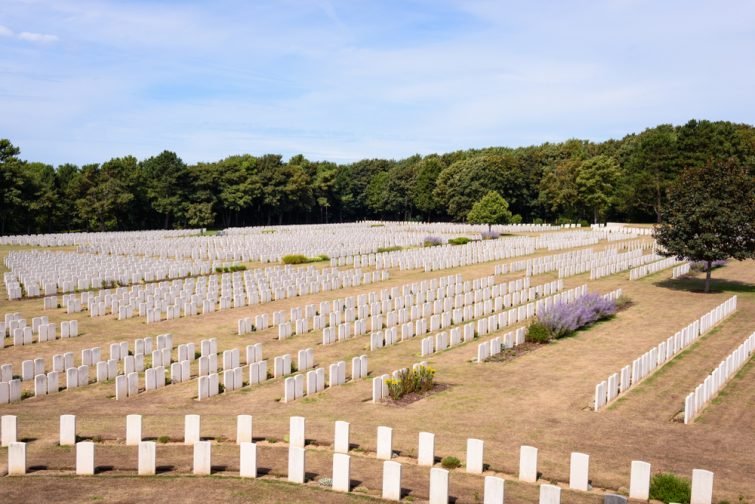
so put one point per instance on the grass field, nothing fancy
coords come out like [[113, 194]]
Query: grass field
[[541, 398]]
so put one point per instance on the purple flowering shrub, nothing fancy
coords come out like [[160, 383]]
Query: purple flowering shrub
[[490, 235], [432, 241], [562, 319]]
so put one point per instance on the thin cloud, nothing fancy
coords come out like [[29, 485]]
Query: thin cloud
[[5, 31], [41, 38]]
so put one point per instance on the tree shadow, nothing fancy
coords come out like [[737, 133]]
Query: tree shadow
[[698, 285], [164, 469], [103, 468]]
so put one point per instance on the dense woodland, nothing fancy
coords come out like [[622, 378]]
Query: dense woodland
[[576, 180]]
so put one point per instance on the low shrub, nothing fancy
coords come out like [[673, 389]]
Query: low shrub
[[302, 259], [408, 381], [516, 219], [537, 220], [450, 462], [562, 319], [163, 439], [490, 235], [295, 259], [389, 249], [538, 333], [667, 487], [432, 241], [461, 240]]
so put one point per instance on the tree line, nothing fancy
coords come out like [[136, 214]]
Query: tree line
[[572, 181]]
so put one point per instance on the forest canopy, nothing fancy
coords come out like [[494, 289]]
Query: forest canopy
[[571, 181]]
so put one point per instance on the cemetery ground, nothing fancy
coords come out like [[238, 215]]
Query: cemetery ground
[[541, 398]]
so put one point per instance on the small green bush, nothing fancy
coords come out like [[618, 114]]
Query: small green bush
[[516, 219], [295, 259], [450, 462], [537, 333], [461, 240], [537, 220], [667, 487], [163, 439], [302, 259], [388, 249], [584, 223]]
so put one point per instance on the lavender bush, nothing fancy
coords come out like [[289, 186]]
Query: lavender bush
[[490, 235], [432, 241], [562, 319]]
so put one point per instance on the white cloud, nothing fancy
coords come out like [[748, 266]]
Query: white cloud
[[5, 31], [42, 38]]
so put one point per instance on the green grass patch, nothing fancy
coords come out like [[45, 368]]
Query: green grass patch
[[302, 259]]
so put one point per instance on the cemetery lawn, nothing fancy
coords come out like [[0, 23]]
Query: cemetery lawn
[[540, 398]]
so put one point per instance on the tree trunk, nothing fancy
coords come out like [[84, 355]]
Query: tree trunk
[[707, 276], [595, 215], [490, 227]]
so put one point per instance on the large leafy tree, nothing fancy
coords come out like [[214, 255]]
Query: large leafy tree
[[168, 181], [490, 209], [710, 215], [597, 182], [11, 183]]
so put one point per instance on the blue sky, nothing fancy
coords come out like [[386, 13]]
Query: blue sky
[[87, 80]]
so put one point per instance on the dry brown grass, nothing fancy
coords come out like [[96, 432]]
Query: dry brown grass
[[540, 398]]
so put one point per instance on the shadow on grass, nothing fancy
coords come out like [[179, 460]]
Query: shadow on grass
[[698, 285]]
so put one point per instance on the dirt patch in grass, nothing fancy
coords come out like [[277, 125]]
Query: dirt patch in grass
[[416, 396], [509, 354]]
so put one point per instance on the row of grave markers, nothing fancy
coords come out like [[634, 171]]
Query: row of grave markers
[[618, 383], [639, 483], [714, 382]]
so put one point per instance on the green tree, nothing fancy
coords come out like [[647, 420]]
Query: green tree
[[11, 183], [490, 209], [710, 215], [597, 182], [168, 181]]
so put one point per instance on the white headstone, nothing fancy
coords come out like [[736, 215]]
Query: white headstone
[[384, 443], [296, 432], [438, 486], [494, 490], [702, 487], [202, 458], [528, 464], [67, 430], [85, 458], [391, 480], [248, 462], [296, 464], [191, 429], [579, 471], [341, 479], [16, 458], [147, 460], [639, 480], [341, 438], [426, 451], [550, 494], [243, 429], [474, 456], [133, 430]]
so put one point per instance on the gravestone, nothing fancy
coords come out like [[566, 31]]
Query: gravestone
[[391, 480], [493, 490], [341, 479], [248, 460]]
